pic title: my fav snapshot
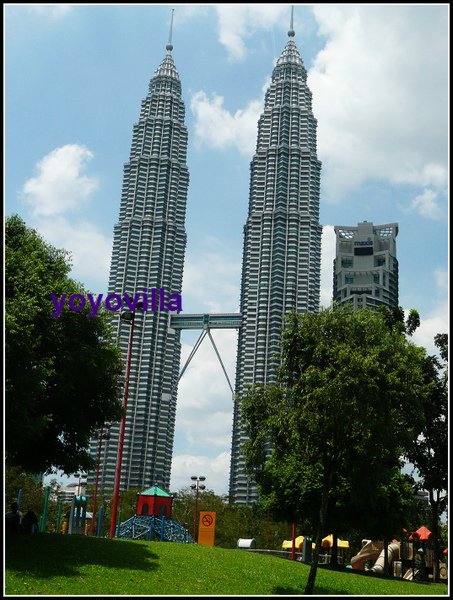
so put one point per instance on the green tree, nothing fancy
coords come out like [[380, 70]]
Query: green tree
[[32, 490], [428, 452], [233, 521], [345, 403], [62, 374]]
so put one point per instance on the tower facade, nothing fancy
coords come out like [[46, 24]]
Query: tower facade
[[148, 253], [365, 265], [282, 238]]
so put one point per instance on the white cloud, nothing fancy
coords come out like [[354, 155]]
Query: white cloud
[[60, 185], [90, 249], [441, 279], [437, 320], [217, 128], [211, 279], [53, 12], [380, 95], [216, 470], [239, 21], [425, 204], [204, 415], [328, 249], [205, 403], [383, 66]]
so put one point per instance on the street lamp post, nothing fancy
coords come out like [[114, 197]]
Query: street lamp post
[[128, 316], [196, 486], [102, 436]]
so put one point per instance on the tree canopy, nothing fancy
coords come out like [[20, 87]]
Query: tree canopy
[[63, 375], [347, 400], [428, 452]]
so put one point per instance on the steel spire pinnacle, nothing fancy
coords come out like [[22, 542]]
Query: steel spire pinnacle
[[169, 46], [291, 32]]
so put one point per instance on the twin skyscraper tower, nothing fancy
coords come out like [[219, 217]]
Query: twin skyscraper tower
[[280, 268]]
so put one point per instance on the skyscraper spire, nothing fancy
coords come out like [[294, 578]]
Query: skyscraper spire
[[169, 46], [167, 66], [291, 32]]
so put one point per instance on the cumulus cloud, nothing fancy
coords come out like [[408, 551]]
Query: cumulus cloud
[[204, 416], [380, 95], [237, 22], [60, 184], [205, 402], [425, 204], [211, 278], [61, 187], [90, 249], [437, 320], [384, 66], [217, 128], [216, 470]]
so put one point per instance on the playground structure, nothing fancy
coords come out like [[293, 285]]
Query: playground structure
[[152, 520], [306, 545], [144, 527], [411, 558], [77, 515]]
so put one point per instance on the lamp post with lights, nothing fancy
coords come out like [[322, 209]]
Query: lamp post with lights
[[196, 486], [129, 317]]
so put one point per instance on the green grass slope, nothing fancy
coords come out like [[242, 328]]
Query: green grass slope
[[49, 564]]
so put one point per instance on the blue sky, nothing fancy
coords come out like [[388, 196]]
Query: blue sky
[[75, 77]]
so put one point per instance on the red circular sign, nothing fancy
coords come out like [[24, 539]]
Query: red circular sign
[[207, 520]]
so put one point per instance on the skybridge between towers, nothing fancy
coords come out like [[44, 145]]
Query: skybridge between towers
[[206, 322]]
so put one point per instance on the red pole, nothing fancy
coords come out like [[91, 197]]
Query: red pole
[[96, 484], [293, 545], [116, 488]]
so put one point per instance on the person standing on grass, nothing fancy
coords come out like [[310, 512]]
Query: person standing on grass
[[29, 523], [13, 519]]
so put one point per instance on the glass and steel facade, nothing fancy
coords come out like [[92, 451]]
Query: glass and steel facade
[[148, 252], [282, 238]]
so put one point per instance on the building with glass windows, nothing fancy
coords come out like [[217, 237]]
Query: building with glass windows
[[365, 265], [148, 252], [282, 238]]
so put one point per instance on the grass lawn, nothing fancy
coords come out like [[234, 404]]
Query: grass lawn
[[49, 564]]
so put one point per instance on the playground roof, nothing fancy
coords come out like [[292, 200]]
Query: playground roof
[[155, 491], [327, 542], [423, 534]]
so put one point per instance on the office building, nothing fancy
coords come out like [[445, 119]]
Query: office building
[[365, 265]]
